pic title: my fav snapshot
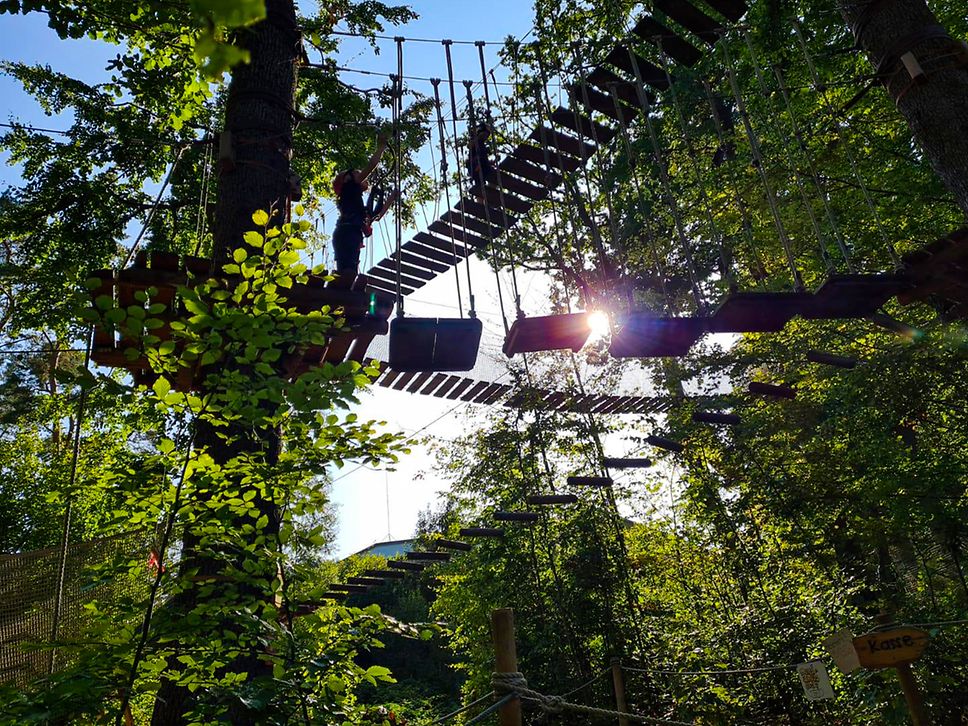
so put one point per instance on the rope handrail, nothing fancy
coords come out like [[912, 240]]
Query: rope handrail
[[514, 685], [712, 672]]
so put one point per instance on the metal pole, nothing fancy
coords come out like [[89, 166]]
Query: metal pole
[[618, 681]]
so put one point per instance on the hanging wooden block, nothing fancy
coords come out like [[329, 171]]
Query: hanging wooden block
[[521, 517], [551, 499], [772, 389], [349, 588], [895, 326], [643, 335], [429, 556], [691, 18], [404, 565], [395, 574], [368, 581], [481, 532], [732, 9], [627, 463], [547, 332], [599, 482], [758, 312], [676, 47], [853, 296], [829, 359], [452, 544], [663, 443], [716, 417]]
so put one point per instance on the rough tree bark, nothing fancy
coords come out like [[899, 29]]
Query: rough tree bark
[[260, 118], [936, 109]]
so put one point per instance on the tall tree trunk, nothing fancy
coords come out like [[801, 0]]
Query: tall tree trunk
[[260, 118], [935, 109]]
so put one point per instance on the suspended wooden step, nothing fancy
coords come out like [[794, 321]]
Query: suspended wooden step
[[453, 544], [853, 296], [758, 312], [895, 326], [460, 229], [557, 141], [385, 574], [716, 417], [434, 344], [526, 170], [438, 248], [592, 100], [547, 157], [522, 517], [583, 125], [504, 200], [650, 73], [511, 183], [606, 81], [627, 463], [663, 443], [404, 565], [368, 581], [551, 499], [498, 219], [829, 359], [691, 18], [732, 9], [334, 596], [772, 389], [481, 532], [388, 279], [429, 556], [547, 332], [426, 263], [642, 335], [357, 589], [939, 270], [677, 48], [599, 482]]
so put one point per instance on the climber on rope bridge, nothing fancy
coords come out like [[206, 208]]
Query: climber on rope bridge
[[356, 217], [479, 165]]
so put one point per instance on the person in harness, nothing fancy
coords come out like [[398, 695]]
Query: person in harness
[[355, 218], [479, 165]]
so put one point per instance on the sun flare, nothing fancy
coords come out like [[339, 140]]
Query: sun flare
[[599, 324]]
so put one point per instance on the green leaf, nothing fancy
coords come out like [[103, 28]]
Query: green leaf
[[240, 255], [260, 218], [161, 387]]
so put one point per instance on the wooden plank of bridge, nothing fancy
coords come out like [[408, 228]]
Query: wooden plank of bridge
[[676, 47]]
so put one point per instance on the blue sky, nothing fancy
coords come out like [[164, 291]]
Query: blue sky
[[362, 494]]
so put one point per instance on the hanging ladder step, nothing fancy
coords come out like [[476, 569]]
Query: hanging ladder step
[[385, 574], [583, 126], [349, 588], [404, 565], [481, 532], [500, 219], [758, 312], [367, 581], [599, 482], [504, 200], [676, 47], [556, 141], [642, 335], [526, 170], [548, 332], [627, 463], [772, 389], [453, 544], [429, 556], [520, 517], [650, 73], [662, 442], [551, 499], [438, 248], [592, 100], [511, 183], [732, 9], [716, 417], [434, 344], [829, 359], [334, 595], [549, 158], [456, 226], [606, 81], [691, 18]]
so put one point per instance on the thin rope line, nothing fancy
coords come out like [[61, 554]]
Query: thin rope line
[[154, 207]]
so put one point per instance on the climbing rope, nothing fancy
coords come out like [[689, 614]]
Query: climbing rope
[[154, 207], [446, 183], [398, 221], [514, 685]]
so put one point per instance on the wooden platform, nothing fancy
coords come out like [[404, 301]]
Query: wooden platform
[[938, 273], [165, 272]]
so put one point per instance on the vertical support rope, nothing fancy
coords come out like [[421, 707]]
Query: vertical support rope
[[758, 158], [398, 227], [499, 179], [646, 105], [68, 511], [791, 162], [471, 123], [726, 259], [851, 160], [460, 176], [435, 82]]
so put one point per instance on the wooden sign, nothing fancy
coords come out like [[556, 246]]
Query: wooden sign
[[890, 648]]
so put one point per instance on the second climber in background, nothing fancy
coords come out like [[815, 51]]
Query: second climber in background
[[479, 165], [354, 220]]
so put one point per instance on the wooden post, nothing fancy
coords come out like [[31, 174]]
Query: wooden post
[[506, 660], [913, 696], [909, 684], [618, 680]]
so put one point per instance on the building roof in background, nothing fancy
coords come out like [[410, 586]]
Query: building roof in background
[[392, 548]]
